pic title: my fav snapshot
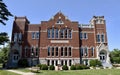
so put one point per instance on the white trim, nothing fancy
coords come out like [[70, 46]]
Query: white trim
[[59, 41], [87, 31]]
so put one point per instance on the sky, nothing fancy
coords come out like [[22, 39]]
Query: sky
[[76, 10]]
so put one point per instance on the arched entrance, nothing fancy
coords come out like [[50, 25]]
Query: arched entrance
[[15, 56], [103, 55]]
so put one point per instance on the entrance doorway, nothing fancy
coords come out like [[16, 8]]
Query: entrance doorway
[[103, 55]]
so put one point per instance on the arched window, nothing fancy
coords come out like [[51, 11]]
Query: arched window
[[98, 37], [102, 38]]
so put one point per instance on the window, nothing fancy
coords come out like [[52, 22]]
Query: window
[[85, 35], [20, 36], [61, 51], [52, 62], [15, 57], [15, 37], [56, 33], [65, 51], [52, 51], [62, 62], [48, 51], [32, 50], [98, 38], [65, 33], [48, 33], [56, 51], [70, 34], [36, 52], [52, 32], [82, 52], [81, 36], [92, 51], [102, 38], [26, 50], [61, 33], [69, 51], [86, 51], [33, 35], [65, 62], [59, 21], [56, 62], [70, 62], [37, 35], [48, 62]]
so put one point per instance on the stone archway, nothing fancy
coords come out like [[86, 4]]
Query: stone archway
[[15, 56], [103, 55]]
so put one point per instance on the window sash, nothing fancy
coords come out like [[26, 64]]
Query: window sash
[[48, 51], [102, 38]]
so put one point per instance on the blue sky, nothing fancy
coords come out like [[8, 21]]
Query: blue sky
[[76, 10]]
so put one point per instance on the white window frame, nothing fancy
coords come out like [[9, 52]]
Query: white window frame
[[33, 35]]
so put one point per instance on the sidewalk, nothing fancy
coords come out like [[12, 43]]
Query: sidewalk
[[22, 73]]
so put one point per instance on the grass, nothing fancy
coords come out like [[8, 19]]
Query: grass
[[23, 70], [82, 72], [3, 72]]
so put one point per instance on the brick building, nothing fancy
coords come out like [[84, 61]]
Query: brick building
[[59, 41]]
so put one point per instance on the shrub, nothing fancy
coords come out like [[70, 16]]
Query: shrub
[[95, 63], [65, 67], [44, 67], [85, 67], [23, 63], [79, 67], [52, 67], [39, 65], [72, 67]]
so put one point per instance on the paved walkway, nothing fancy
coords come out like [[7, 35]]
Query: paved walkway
[[22, 73]]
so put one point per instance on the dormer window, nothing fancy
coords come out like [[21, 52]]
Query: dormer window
[[59, 21]]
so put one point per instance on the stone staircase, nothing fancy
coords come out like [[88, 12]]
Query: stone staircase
[[106, 64]]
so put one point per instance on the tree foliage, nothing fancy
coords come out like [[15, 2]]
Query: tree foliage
[[3, 38], [4, 54], [4, 13], [115, 56]]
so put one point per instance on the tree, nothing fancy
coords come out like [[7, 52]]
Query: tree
[[4, 54], [4, 13], [115, 56], [3, 38]]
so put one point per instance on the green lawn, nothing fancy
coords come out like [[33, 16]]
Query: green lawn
[[3, 72], [82, 72], [23, 70]]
